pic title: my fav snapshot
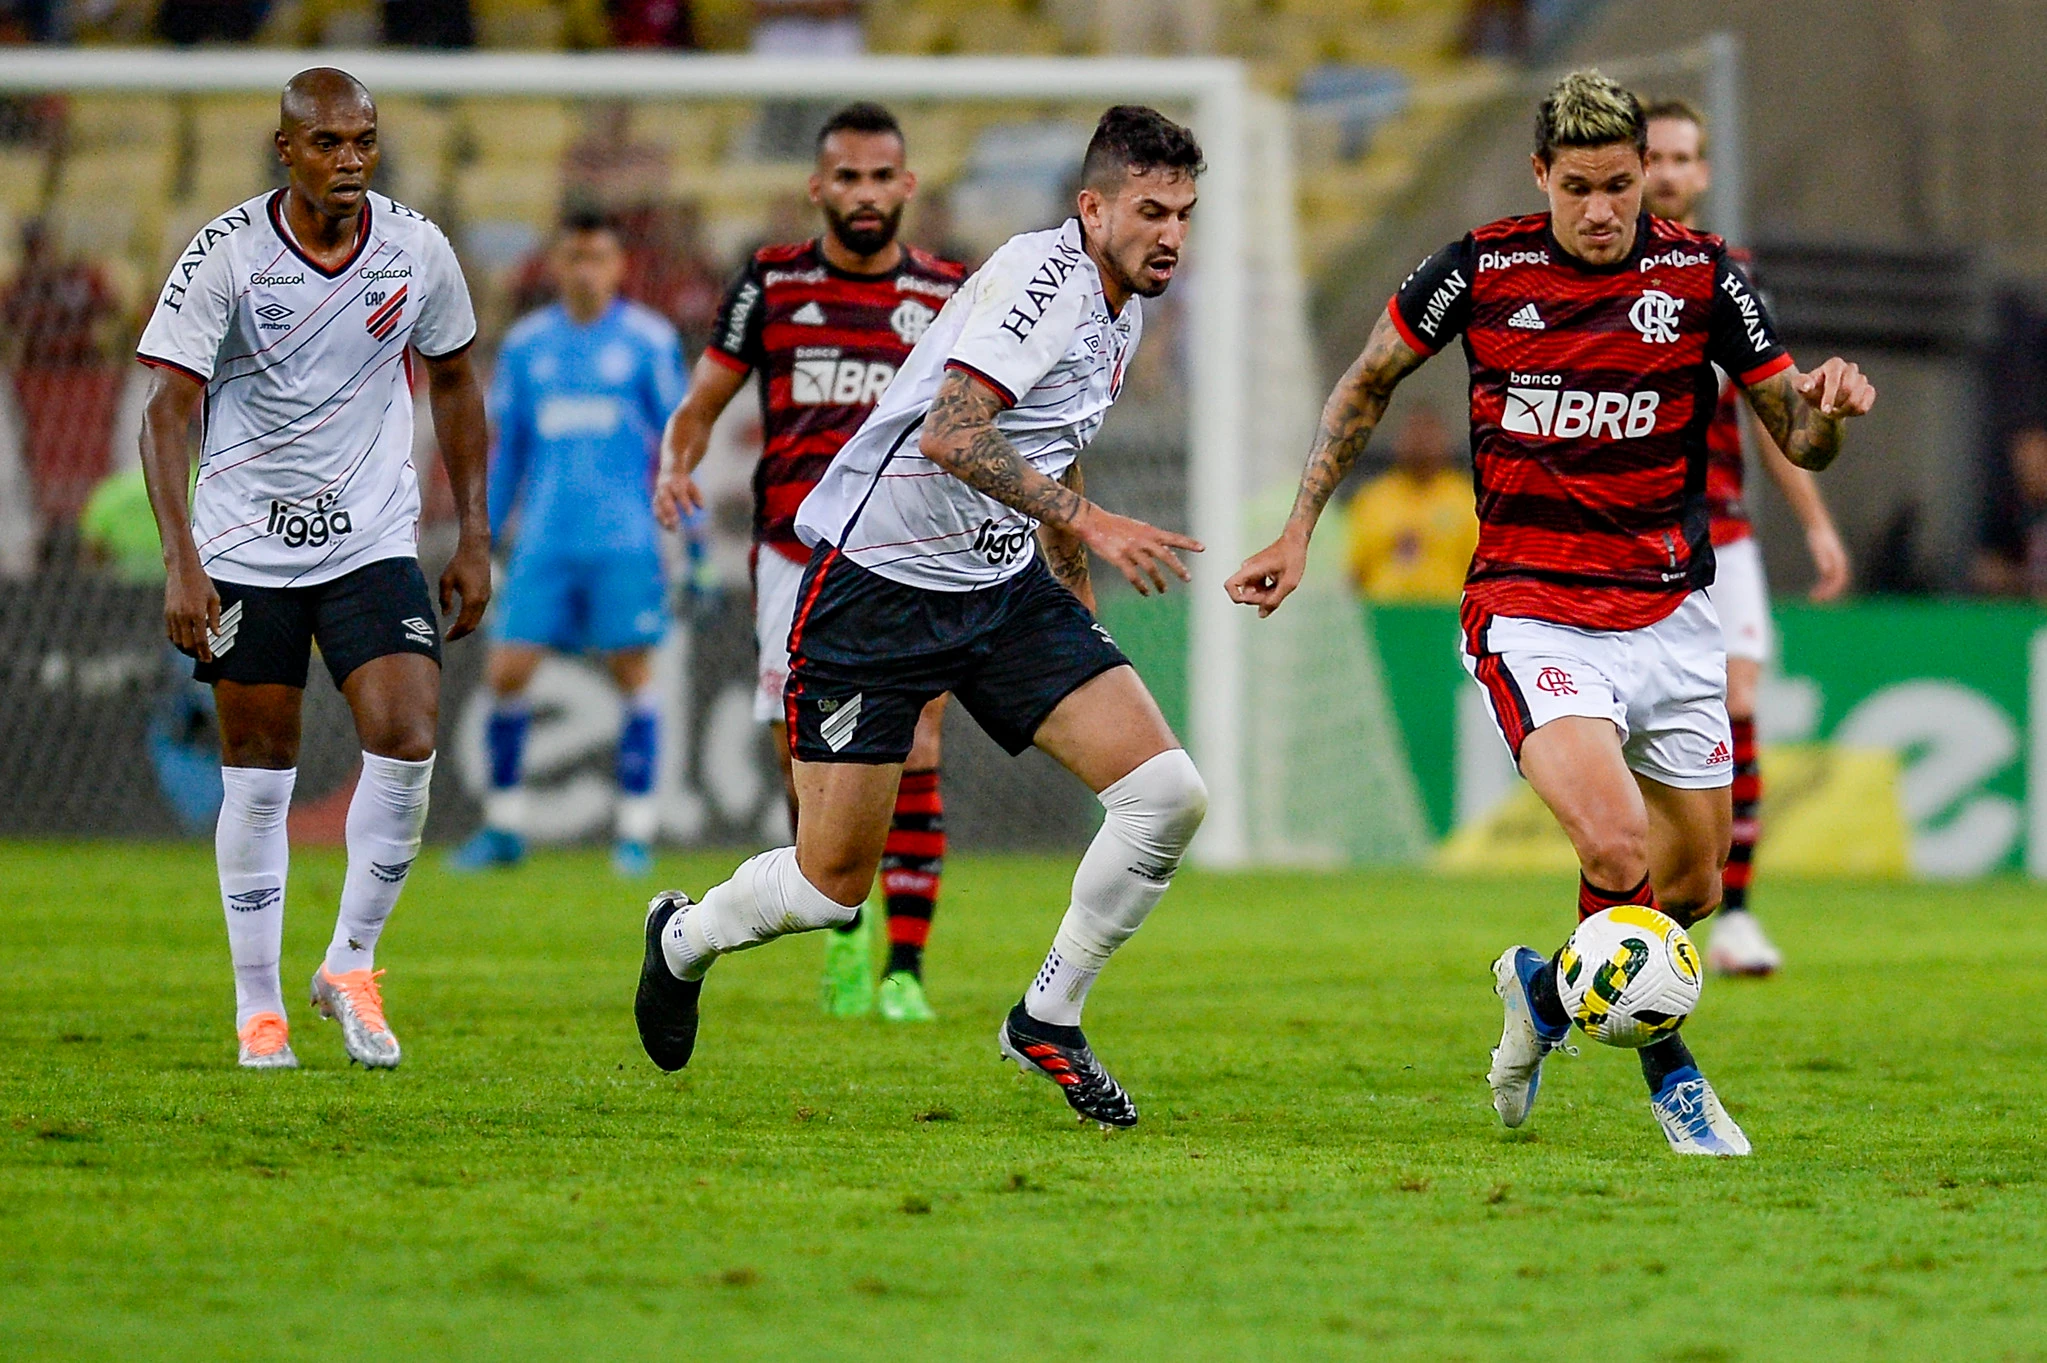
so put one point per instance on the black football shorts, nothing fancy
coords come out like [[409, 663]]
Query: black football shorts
[[867, 653], [267, 634]]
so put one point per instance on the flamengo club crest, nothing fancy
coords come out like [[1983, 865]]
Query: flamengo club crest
[[1655, 316], [1556, 682], [911, 320]]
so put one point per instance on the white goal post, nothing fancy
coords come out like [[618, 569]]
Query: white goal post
[[1219, 361]]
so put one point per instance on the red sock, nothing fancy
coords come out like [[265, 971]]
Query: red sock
[[912, 863], [1748, 794], [1592, 899]]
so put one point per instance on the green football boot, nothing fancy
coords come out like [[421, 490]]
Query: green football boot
[[902, 999], [849, 969]]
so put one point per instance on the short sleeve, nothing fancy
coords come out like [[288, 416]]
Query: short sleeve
[[1433, 304], [1016, 329], [736, 336], [447, 319], [192, 316], [1743, 337]]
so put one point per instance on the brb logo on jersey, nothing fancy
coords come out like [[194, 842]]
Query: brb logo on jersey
[[839, 383], [1655, 316], [1552, 411], [298, 527]]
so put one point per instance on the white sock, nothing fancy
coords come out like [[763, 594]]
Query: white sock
[[1152, 815], [384, 823], [767, 897], [250, 848]]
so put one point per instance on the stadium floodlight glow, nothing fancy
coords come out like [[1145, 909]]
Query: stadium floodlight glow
[[1216, 89]]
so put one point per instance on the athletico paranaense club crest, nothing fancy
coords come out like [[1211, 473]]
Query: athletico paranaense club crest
[[385, 312]]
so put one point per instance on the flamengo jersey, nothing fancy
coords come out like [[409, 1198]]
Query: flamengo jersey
[[1031, 324], [827, 344], [305, 469], [1592, 388]]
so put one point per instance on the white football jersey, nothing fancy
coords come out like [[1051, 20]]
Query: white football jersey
[[1031, 323], [305, 468]]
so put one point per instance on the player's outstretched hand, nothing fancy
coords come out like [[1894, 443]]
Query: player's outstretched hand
[[1838, 390], [468, 577], [1137, 550], [191, 610], [1829, 563], [1269, 576], [675, 496]]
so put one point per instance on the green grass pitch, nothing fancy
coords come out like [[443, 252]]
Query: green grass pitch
[[1318, 1173]]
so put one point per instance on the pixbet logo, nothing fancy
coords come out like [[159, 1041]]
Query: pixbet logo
[[1507, 260], [1556, 682], [841, 383], [1676, 258], [1655, 316], [1575, 415], [298, 527]]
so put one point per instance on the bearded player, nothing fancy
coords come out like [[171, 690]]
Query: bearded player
[[827, 323], [292, 319], [926, 578], [1592, 332], [1676, 177]]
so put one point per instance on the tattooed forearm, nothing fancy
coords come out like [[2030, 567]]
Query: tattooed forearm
[[1349, 418], [1065, 554], [960, 437], [1807, 438]]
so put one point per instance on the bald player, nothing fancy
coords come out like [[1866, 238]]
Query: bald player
[[291, 318]]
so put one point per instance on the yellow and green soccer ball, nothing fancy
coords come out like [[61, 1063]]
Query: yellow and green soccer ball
[[1629, 976]]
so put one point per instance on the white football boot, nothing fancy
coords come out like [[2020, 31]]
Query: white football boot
[[354, 999], [1694, 1122], [1738, 946], [266, 1043], [1516, 1072]]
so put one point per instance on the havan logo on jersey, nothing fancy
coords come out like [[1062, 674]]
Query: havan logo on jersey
[[1042, 288], [1571, 414], [298, 527], [839, 383]]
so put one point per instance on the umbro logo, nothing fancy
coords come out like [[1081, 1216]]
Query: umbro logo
[[390, 872], [222, 639], [420, 632], [273, 312], [837, 731], [809, 315], [257, 900], [1720, 754], [1528, 319]]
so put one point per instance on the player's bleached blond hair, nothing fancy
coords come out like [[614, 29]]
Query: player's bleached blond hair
[[1585, 109], [1680, 109]]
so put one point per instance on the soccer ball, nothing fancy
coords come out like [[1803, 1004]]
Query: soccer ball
[[1629, 976]]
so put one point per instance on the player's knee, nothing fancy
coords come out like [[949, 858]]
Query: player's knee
[[1159, 806], [401, 741], [1614, 856], [271, 752], [843, 874]]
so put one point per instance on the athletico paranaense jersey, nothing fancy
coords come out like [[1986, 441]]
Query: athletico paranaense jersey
[[1725, 465], [1031, 324], [827, 344], [1592, 389], [305, 469]]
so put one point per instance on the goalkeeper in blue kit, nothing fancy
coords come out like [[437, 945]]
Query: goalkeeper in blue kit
[[577, 403]]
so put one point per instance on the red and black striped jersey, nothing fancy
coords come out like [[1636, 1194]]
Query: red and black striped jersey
[[1592, 389], [826, 343], [1725, 465]]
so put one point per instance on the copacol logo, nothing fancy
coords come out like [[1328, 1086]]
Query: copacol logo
[[298, 527]]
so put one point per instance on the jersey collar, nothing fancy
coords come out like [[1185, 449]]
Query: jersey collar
[[1559, 256], [362, 237], [817, 251]]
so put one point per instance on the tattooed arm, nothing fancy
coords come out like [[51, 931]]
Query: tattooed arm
[[1804, 413], [1348, 420], [1064, 552], [960, 437]]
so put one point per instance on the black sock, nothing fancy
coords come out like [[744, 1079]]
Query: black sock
[[905, 956], [1664, 1058], [1023, 1024], [1542, 992], [851, 924]]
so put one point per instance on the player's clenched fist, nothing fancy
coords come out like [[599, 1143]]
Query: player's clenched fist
[[191, 611], [1269, 576], [1137, 550], [1838, 390]]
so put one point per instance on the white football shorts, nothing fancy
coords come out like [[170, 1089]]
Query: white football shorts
[[1741, 595], [1663, 687], [775, 583]]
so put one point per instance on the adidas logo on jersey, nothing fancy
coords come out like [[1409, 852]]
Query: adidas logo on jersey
[[1528, 319], [222, 639], [1575, 415], [809, 315]]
